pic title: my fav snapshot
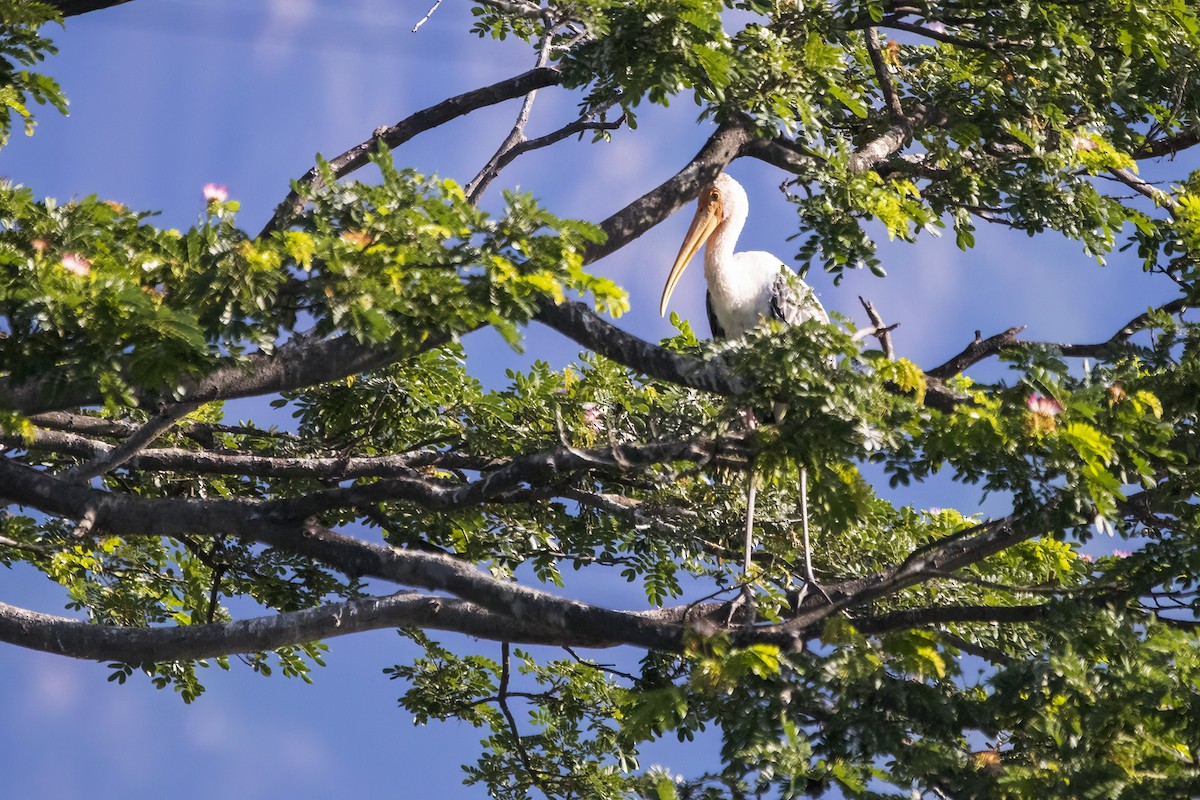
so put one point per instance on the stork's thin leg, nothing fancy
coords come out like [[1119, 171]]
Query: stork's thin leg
[[751, 493], [809, 577], [746, 599], [808, 570]]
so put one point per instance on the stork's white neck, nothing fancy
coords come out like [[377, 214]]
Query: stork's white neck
[[718, 253]]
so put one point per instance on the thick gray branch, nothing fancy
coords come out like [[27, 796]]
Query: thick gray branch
[[255, 522], [133, 645], [579, 323], [293, 366], [656, 205]]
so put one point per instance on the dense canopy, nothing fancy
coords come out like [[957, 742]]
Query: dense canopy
[[940, 653]]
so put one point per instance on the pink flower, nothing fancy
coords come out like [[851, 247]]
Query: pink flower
[[1080, 142], [76, 264], [215, 193], [1085, 558], [1047, 406], [592, 417], [936, 27], [39, 245], [1122, 553]]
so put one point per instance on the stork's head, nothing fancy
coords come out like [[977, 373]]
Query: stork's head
[[718, 202]]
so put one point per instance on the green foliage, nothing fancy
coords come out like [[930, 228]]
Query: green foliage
[[21, 43], [1029, 668]]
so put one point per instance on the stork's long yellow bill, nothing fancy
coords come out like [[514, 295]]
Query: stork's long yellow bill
[[708, 217]]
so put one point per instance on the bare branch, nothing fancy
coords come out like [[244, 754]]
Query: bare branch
[[300, 363], [879, 330], [981, 349], [890, 100], [138, 440], [73, 8], [1144, 188], [588, 122], [480, 182], [401, 132], [975, 352], [77, 639], [579, 323], [432, 10], [991, 46], [656, 205], [1169, 145], [879, 150]]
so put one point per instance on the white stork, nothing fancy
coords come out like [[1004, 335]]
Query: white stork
[[743, 290]]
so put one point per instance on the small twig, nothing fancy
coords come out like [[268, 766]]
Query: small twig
[[517, 135], [949, 38], [30, 546], [502, 696], [425, 18], [1142, 187], [879, 330], [609, 668]]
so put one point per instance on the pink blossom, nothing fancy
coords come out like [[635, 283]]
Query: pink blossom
[[1085, 558], [76, 264], [215, 193], [592, 417], [1047, 406], [1081, 142], [936, 27], [1122, 553], [39, 245]]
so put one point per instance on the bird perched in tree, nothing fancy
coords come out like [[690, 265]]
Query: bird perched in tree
[[743, 290]]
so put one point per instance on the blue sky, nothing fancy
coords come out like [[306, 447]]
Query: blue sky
[[167, 96]]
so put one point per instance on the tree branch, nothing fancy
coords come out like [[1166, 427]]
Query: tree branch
[[401, 132], [517, 135], [298, 364], [73, 8], [582, 325], [138, 440], [890, 100], [980, 349], [1169, 145], [256, 522], [133, 645], [948, 615], [975, 352], [656, 205]]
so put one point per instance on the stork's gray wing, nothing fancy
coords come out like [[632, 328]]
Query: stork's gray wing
[[793, 301], [717, 331]]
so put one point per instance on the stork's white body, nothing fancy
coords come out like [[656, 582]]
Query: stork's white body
[[743, 288]]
